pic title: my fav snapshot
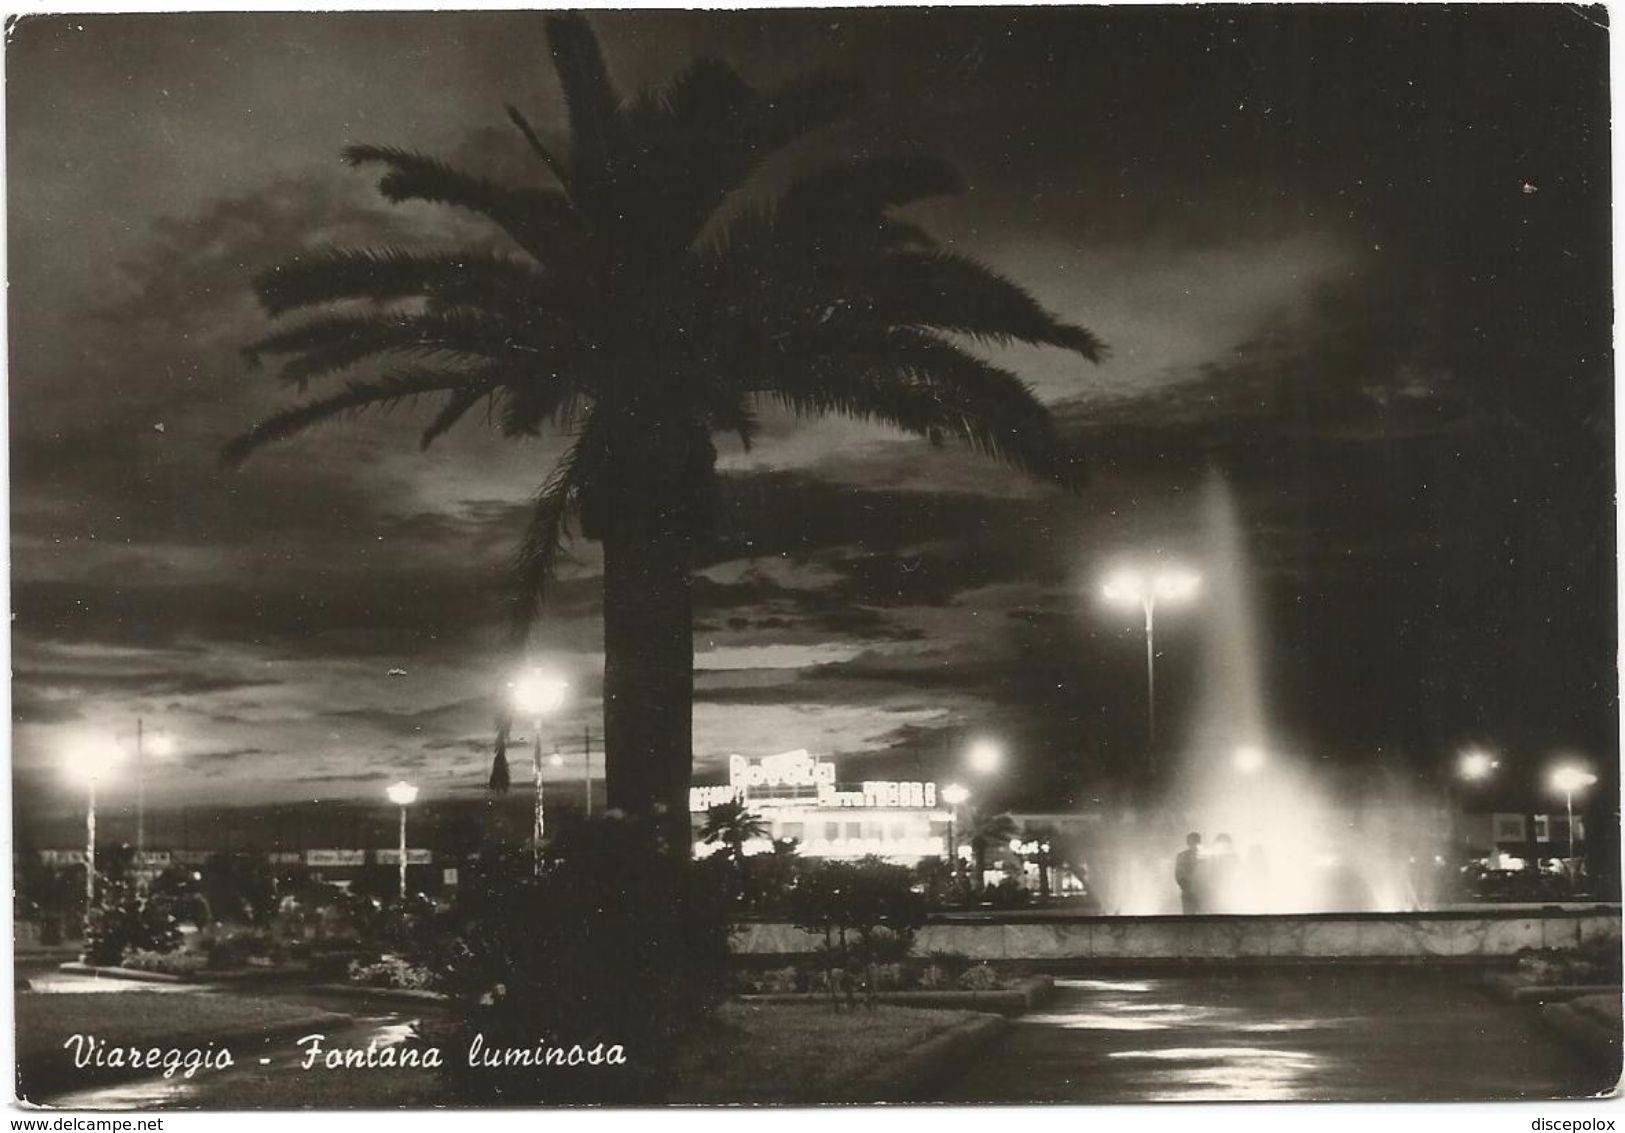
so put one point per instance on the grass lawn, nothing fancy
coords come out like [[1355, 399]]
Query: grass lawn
[[793, 1053]]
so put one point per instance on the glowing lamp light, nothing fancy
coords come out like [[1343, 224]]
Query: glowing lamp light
[[537, 693], [402, 793], [1249, 758], [1130, 587], [985, 757], [92, 762], [1571, 779], [1477, 764], [555, 760], [161, 745], [953, 794]]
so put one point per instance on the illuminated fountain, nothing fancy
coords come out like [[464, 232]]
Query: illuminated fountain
[[1297, 841]]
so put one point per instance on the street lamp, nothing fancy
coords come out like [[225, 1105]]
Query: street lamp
[[1476, 764], [537, 693], [90, 765], [403, 795], [1570, 779], [984, 757], [954, 795], [1145, 588]]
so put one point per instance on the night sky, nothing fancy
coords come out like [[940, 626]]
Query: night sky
[[1355, 261]]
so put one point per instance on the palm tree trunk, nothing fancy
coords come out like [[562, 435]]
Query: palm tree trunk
[[649, 661]]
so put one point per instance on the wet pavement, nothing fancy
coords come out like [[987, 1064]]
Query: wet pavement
[[1300, 1035]]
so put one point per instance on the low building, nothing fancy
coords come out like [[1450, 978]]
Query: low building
[[802, 798]]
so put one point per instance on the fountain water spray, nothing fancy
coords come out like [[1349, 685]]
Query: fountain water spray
[[1279, 835]]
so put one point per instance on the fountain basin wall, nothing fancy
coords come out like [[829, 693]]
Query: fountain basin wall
[[1489, 934]]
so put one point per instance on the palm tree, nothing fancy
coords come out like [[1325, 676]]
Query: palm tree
[[731, 825], [985, 829], [639, 307]]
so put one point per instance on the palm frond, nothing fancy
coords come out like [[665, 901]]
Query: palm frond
[[455, 408], [949, 292], [549, 528], [554, 163], [541, 221], [356, 397], [385, 274], [593, 106], [928, 387], [330, 343]]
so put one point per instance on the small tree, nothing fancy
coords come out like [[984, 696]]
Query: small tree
[[239, 887], [731, 825], [124, 919], [867, 912]]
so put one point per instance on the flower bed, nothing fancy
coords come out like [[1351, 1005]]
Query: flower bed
[[1594, 963], [941, 973]]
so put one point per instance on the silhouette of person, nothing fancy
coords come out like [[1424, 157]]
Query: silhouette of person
[[1187, 874]]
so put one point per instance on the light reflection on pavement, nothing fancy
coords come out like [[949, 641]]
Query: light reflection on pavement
[[75, 983], [1299, 1034]]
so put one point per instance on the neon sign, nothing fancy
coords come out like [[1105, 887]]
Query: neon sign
[[797, 779]]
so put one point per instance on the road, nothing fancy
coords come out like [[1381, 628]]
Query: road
[[1307, 1034]]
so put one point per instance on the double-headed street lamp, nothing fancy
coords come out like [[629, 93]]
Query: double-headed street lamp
[[538, 693], [1144, 588], [1569, 779], [403, 795]]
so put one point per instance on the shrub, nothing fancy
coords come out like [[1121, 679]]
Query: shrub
[[1595, 961], [933, 978], [167, 963], [982, 977], [613, 941], [126, 919], [231, 947], [773, 981], [887, 977], [391, 972], [952, 965]]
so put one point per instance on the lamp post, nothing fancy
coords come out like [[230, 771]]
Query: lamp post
[[1570, 779], [403, 795], [1474, 765], [161, 746], [954, 795], [537, 693], [91, 765], [1145, 588]]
